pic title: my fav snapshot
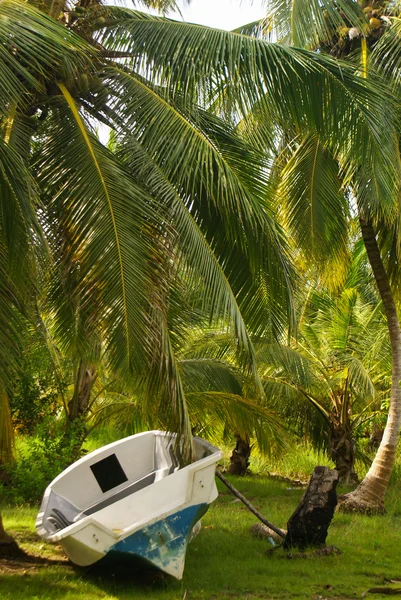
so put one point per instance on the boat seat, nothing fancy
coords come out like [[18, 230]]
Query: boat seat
[[59, 521], [127, 491]]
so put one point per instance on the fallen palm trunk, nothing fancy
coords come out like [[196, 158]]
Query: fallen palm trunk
[[249, 505]]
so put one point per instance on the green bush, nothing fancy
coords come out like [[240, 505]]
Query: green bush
[[40, 458]]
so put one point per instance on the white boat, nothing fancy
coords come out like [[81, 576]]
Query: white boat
[[130, 499]]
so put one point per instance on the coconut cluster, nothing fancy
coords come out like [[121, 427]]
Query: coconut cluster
[[79, 14], [373, 21]]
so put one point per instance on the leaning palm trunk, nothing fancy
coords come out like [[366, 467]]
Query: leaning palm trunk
[[369, 495]]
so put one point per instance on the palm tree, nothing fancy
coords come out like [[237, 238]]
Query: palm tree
[[329, 380], [321, 193], [108, 232], [333, 377]]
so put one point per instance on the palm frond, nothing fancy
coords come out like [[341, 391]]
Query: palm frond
[[32, 46], [386, 55], [250, 69], [204, 181], [205, 374], [104, 241], [316, 210], [238, 414]]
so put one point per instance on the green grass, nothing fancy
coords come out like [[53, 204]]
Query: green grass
[[299, 459], [225, 561]]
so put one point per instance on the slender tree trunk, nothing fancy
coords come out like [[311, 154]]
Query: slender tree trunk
[[375, 437], [84, 381], [78, 407], [8, 546], [6, 431], [369, 495]]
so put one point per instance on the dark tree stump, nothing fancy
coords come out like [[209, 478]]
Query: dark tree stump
[[309, 524]]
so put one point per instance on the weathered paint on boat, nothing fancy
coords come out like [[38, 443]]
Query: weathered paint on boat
[[105, 507], [163, 544]]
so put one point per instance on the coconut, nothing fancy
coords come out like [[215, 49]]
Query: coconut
[[375, 23], [84, 81], [96, 86], [354, 33], [368, 9], [343, 31]]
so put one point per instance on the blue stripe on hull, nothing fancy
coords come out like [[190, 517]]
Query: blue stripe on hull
[[164, 543]]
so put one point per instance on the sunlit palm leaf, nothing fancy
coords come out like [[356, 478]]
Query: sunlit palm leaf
[[105, 216], [316, 208], [207, 55], [209, 168], [18, 222], [386, 55]]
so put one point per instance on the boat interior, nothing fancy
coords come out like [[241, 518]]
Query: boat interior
[[111, 474]]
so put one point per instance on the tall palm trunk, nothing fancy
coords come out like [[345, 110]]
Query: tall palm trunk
[[369, 495], [85, 378]]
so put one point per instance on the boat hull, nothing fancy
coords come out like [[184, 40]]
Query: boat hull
[[162, 545], [108, 508]]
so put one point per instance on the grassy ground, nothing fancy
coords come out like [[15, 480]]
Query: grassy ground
[[225, 561]]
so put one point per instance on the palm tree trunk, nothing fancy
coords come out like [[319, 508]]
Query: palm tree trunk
[[369, 495], [239, 460], [342, 451], [6, 439], [85, 378]]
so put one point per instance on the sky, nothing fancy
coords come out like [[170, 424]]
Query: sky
[[223, 14]]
